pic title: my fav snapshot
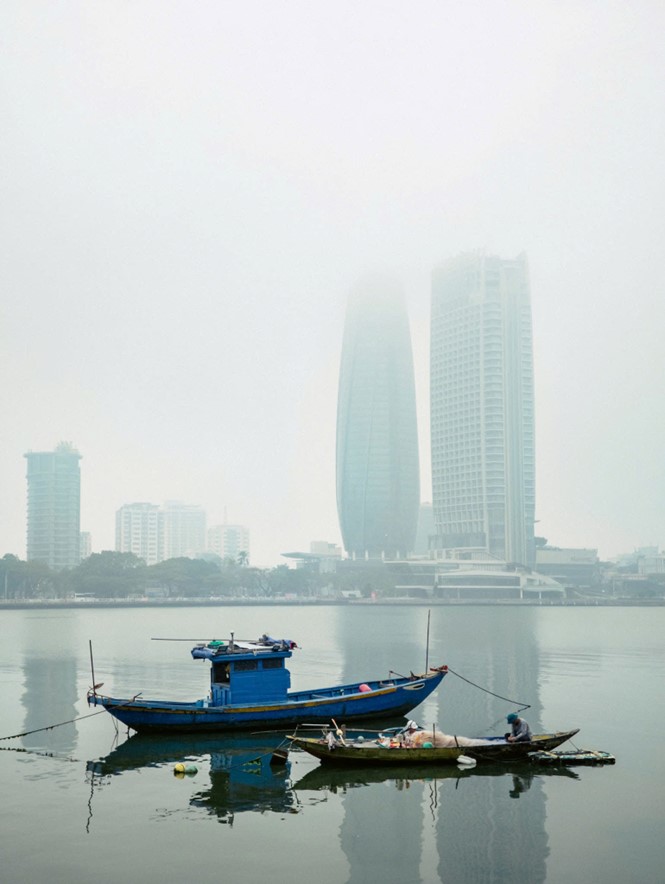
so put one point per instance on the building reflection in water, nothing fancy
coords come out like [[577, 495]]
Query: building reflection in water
[[389, 835], [50, 697], [462, 827]]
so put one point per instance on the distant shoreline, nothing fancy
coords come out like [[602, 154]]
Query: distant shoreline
[[68, 604]]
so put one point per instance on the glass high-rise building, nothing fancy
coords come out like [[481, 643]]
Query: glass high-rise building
[[54, 506], [482, 417], [378, 484]]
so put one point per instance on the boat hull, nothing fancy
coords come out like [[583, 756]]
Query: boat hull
[[343, 702], [370, 754]]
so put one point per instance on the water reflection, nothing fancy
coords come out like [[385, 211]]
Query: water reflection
[[47, 650], [504, 666], [442, 823], [254, 787], [241, 773], [457, 826], [49, 697], [462, 816], [516, 777]]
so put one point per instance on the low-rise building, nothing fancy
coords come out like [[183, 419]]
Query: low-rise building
[[571, 567], [466, 574]]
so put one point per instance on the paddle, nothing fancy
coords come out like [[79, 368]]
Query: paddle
[[339, 733]]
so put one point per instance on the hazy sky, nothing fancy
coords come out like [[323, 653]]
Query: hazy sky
[[189, 191]]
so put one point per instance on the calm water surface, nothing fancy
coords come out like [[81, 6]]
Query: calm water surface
[[83, 803]]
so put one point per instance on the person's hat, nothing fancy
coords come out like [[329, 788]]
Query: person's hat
[[512, 717]]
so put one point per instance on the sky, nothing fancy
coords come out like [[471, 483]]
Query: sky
[[189, 191]]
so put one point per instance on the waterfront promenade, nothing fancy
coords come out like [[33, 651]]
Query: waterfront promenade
[[583, 602]]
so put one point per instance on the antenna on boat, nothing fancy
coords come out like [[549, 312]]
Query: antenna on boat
[[92, 670], [429, 612], [92, 665]]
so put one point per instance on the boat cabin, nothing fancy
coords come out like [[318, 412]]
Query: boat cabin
[[247, 672]]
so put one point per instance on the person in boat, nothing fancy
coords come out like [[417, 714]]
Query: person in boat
[[408, 733], [520, 731]]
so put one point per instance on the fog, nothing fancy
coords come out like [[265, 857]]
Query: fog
[[190, 191]]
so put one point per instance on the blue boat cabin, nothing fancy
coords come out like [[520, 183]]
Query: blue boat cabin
[[249, 675]]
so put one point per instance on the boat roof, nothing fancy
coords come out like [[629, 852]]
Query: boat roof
[[237, 649]]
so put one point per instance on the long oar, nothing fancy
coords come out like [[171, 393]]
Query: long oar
[[247, 640], [339, 732]]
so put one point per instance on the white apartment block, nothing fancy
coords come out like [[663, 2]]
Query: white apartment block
[[139, 530], [227, 541], [86, 545], [184, 530]]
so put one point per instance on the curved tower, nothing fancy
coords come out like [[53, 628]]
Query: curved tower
[[378, 483]]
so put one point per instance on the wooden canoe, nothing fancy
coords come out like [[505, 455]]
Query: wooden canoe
[[374, 753]]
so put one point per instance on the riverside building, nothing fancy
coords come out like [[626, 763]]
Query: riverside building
[[229, 541], [139, 529], [184, 530], [481, 398], [155, 533], [378, 486], [54, 507]]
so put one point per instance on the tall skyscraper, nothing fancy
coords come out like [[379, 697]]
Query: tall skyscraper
[[378, 485], [482, 421], [139, 530], [54, 506]]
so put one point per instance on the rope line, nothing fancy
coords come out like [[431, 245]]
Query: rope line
[[498, 696], [35, 752], [51, 726], [256, 758]]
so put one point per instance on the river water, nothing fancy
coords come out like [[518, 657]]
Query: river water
[[82, 802]]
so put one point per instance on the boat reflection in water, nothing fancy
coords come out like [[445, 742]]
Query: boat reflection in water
[[519, 776], [240, 774], [234, 774]]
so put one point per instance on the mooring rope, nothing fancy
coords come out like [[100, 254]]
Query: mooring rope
[[35, 752], [257, 758], [51, 726], [498, 696]]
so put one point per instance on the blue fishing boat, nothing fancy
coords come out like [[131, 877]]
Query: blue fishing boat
[[249, 688]]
